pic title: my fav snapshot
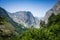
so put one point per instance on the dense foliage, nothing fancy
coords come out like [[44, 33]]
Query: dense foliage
[[42, 34], [42, 24], [2, 20], [54, 19]]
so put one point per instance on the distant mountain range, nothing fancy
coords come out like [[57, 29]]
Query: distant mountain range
[[55, 10]]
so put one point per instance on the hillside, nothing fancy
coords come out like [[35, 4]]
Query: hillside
[[7, 24]]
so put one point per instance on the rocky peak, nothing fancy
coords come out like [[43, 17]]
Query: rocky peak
[[24, 17], [55, 9]]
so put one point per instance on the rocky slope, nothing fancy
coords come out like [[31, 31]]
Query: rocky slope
[[25, 18], [7, 25], [55, 9]]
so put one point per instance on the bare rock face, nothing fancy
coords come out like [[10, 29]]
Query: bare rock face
[[55, 10], [25, 18]]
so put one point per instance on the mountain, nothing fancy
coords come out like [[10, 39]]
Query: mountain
[[7, 25], [55, 10], [25, 18]]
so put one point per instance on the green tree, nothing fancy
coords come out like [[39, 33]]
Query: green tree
[[42, 24]]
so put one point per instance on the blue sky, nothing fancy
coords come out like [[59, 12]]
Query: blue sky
[[37, 7]]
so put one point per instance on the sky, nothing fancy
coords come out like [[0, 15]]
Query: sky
[[37, 7]]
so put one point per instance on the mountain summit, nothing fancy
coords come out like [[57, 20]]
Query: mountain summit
[[25, 18]]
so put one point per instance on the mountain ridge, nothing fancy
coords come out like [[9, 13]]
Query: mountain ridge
[[24, 17]]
